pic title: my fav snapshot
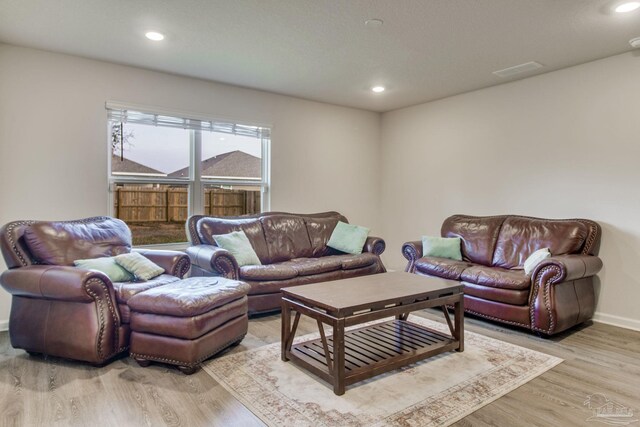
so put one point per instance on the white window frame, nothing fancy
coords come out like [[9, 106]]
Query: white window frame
[[195, 183]]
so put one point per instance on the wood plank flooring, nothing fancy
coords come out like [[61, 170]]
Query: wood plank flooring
[[53, 392]]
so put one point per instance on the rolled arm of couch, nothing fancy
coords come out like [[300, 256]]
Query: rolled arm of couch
[[375, 245], [567, 267], [562, 293], [175, 263], [412, 251], [215, 260], [56, 282]]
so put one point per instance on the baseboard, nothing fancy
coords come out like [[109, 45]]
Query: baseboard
[[623, 322], [4, 325]]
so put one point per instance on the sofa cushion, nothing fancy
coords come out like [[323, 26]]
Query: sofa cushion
[[348, 238], [61, 243], [496, 277], [351, 262], [209, 226], [319, 230], [521, 236], [125, 290], [309, 266], [279, 271], [286, 237], [442, 267], [108, 266], [507, 296], [478, 234], [143, 268]]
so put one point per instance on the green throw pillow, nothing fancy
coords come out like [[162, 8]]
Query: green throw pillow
[[442, 247], [106, 265], [238, 244], [141, 267], [348, 238]]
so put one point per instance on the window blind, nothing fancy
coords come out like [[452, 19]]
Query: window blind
[[132, 116]]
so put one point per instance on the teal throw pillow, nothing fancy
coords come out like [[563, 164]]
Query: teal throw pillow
[[442, 247], [348, 238], [238, 244], [106, 265], [143, 268]]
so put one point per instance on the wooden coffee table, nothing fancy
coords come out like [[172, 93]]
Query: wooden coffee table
[[345, 358]]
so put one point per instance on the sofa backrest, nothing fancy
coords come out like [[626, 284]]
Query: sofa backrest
[[478, 233], [275, 236], [521, 236], [507, 240], [62, 242]]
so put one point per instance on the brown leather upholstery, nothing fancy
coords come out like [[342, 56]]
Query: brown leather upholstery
[[188, 321], [556, 296], [65, 311], [292, 248]]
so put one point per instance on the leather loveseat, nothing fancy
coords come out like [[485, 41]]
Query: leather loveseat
[[291, 247], [62, 310], [557, 295]]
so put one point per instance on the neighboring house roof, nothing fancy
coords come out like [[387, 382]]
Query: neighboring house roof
[[234, 164], [124, 166]]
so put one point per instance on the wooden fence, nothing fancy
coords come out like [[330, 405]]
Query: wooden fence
[[170, 204]]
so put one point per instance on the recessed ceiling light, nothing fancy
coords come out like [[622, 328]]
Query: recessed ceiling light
[[375, 22], [627, 7], [154, 35], [377, 89], [635, 42]]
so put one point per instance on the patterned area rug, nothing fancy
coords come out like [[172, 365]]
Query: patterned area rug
[[434, 392]]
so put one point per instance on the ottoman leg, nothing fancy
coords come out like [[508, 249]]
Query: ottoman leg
[[187, 370], [142, 362]]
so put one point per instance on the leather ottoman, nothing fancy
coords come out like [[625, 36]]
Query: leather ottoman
[[188, 321]]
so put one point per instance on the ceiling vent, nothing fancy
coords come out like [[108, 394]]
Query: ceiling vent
[[517, 69]]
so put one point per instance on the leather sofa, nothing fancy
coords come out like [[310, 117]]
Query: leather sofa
[[62, 310], [557, 295], [292, 248]]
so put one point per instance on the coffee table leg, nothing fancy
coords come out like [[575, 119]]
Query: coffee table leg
[[459, 323], [338, 357], [286, 329]]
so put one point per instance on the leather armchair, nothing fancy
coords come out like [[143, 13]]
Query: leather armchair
[[66, 311]]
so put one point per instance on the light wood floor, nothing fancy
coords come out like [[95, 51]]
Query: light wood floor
[[53, 392]]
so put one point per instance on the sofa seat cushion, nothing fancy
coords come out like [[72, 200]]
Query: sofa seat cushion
[[351, 262], [310, 266], [507, 296], [442, 267], [281, 271], [125, 290], [496, 277]]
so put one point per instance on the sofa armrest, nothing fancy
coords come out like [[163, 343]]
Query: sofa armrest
[[375, 245], [175, 263], [215, 260], [567, 267], [412, 251], [56, 282]]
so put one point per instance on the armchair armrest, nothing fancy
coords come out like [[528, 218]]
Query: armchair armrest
[[175, 263], [567, 267], [56, 282], [375, 245], [412, 251], [215, 260]]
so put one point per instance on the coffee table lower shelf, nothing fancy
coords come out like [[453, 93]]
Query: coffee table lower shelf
[[374, 349]]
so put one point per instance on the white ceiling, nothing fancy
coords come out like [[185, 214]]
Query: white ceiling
[[321, 49]]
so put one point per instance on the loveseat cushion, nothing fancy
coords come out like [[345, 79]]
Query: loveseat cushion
[[210, 226], [286, 237], [279, 271], [507, 296], [442, 267], [521, 236], [319, 230], [478, 234], [61, 242], [351, 262], [496, 277]]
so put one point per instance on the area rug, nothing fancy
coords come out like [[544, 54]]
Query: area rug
[[434, 392]]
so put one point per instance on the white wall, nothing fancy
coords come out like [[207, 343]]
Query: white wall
[[53, 155], [562, 144]]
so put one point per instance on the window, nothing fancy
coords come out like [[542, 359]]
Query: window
[[165, 167]]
